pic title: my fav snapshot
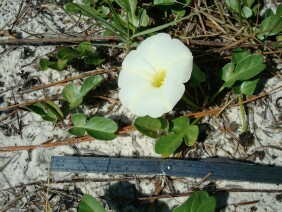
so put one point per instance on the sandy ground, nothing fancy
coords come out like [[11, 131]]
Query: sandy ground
[[24, 174]]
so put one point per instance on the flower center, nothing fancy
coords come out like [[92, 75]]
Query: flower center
[[159, 78]]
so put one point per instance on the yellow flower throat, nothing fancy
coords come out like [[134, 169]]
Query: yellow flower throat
[[159, 78]]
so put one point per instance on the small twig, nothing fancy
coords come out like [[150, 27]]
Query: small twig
[[9, 115], [89, 73], [56, 41], [27, 103]]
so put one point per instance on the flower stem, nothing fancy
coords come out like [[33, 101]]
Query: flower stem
[[216, 93], [189, 102], [243, 114], [196, 121]]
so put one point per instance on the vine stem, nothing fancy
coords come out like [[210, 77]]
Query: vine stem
[[189, 102], [243, 114], [216, 93]]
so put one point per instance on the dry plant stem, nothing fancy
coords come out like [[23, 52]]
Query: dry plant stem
[[90, 73], [27, 103], [56, 41], [243, 114], [74, 40]]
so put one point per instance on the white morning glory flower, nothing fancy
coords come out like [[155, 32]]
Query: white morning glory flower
[[152, 77]]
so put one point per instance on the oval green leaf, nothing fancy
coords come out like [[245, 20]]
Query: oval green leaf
[[246, 87], [89, 204], [101, 128], [148, 126], [197, 76], [191, 135], [72, 95], [239, 54], [246, 12], [179, 125], [200, 201], [167, 145], [246, 69], [78, 120], [227, 72], [89, 84]]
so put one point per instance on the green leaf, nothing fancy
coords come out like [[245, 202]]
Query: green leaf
[[101, 128], [180, 129], [50, 115], [168, 144], [163, 2], [97, 127], [78, 119], [233, 4], [60, 65], [68, 53], [164, 123], [227, 72], [72, 8], [238, 54], [256, 9], [48, 111], [279, 10], [197, 76], [85, 47], [191, 135], [72, 95], [271, 25], [75, 96], [89, 204], [246, 12], [200, 201], [55, 109], [148, 126], [130, 6], [246, 87], [246, 69], [180, 124], [45, 64], [94, 59], [90, 83], [250, 3], [37, 108]]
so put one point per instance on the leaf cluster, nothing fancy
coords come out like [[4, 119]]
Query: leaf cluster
[[169, 134], [48, 110], [271, 25], [97, 127], [68, 55], [245, 8], [242, 72], [177, 8], [74, 96]]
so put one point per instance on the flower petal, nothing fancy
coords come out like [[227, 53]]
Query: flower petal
[[152, 103], [169, 50], [135, 62], [128, 94], [173, 92], [180, 70], [127, 78]]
